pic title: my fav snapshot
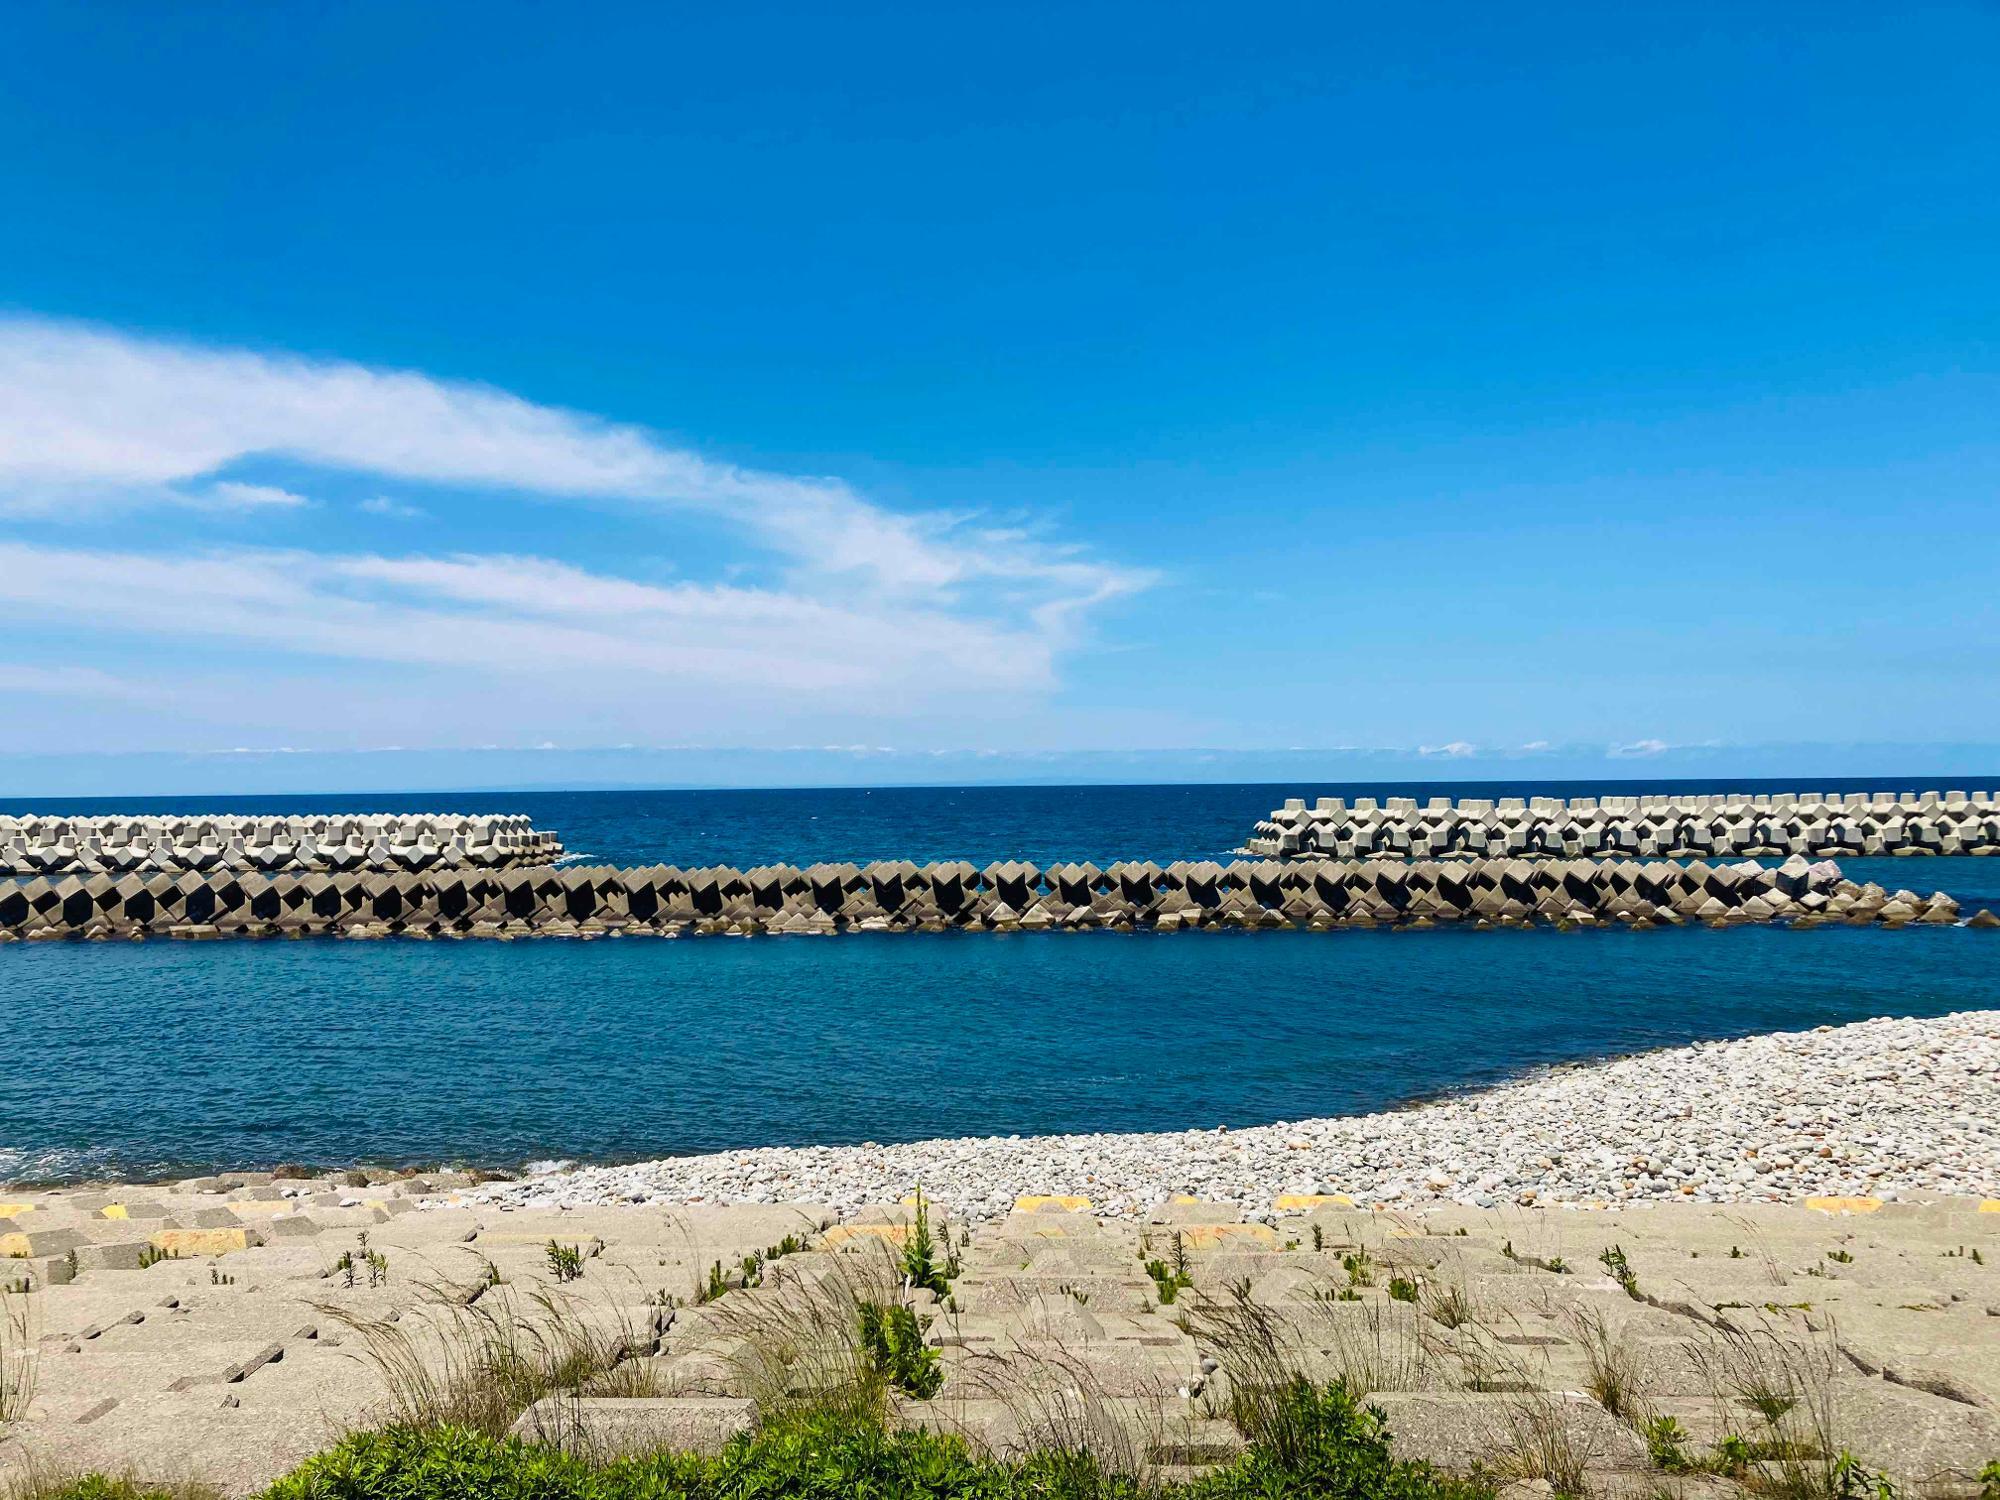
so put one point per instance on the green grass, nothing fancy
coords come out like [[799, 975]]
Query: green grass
[[1319, 1443], [1316, 1443]]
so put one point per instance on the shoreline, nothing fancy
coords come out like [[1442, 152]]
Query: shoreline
[[1327, 1155], [1884, 1108], [580, 1181]]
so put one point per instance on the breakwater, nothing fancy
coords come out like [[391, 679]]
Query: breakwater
[[892, 896], [36, 845], [1819, 824]]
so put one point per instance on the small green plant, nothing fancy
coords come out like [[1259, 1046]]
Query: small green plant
[[893, 1339], [1989, 1481], [1360, 1270], [152, 1255], [1557, 1264], [218, 1277], [1850, 1479], [1977, 1258], [1180, 1258], [1840, 1257], [1666, 1445], [1621, 1270], [1319, 1238], [716, 1285], [1402, 1289], [345, 1267], [921, 1266], [565, 1263], [1169, 1283], [378, 1267], [1734, 1455], [1736, 1252]]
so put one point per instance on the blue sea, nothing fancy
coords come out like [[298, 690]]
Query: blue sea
[[128, 1060]]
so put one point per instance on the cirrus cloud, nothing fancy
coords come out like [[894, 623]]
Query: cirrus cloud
[[863, 608]]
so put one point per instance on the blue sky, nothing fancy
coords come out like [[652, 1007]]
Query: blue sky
[[1462, 385]]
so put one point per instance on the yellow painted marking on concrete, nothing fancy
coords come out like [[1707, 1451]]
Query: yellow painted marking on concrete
[[1185, 1198], [1034, 1203], [200, 1241], [112, 1211], [1202, 1236], [1844, 1205], [1286, 1203], [15, 1210], [13, 1247], [843, 1234], [1990, 1206]]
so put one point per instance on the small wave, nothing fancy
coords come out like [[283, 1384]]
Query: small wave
[[57, 1164]]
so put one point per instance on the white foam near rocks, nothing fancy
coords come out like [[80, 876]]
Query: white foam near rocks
[[1886, 1108]]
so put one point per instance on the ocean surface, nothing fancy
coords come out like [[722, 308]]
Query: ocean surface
[[158, 1058]]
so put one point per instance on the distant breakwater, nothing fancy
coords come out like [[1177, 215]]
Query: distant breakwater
[[892, 896], [224, 843], [1825, 825]]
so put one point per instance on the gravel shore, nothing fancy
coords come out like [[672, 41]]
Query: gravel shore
[[1888, 1108]]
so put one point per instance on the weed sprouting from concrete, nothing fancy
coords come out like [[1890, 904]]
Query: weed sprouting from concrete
[[892, 1336], [565, 1263], [1614, 1261], [922, 1267], [1167, 1282]]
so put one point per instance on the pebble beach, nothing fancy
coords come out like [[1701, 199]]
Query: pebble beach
[[1887, 1108]]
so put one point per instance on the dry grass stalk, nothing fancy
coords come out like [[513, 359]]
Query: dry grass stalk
[[19, 1357], [479, 1361], [1613, 1372]]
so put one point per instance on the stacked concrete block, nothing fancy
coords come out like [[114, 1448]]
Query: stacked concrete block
[[1725, 826], [42, 845], [898, 896]]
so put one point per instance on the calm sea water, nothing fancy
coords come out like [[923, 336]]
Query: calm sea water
[[133, 1059]]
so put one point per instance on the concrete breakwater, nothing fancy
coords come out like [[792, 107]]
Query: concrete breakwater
[[41, 845], [892, 896], [1820, 824]]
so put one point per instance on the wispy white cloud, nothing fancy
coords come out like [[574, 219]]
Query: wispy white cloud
[[1638, 748], [868, 608], [230, 494], [519, 617], [382, 505], [1455, 750], [90, 412]]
